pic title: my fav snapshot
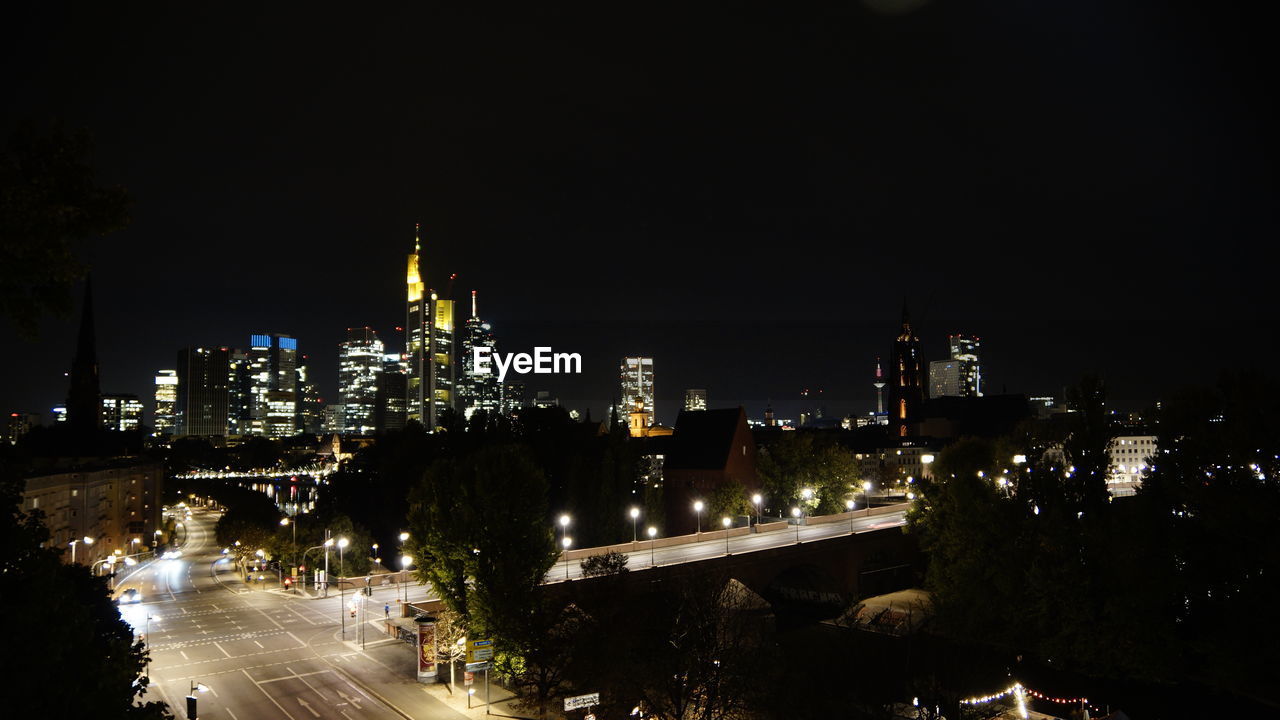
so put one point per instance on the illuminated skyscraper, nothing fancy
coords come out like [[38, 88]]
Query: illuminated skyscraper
[[239, 393], [906, 389], [121, 413], [695, 399], [476, 391], [637, 382], [359, 365], [428, 346], [274, 400], [166, 399], [961, 375], [201, 407], [389, 395], [310, 405]]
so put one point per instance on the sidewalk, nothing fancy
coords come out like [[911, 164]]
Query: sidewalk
[[392, 671]]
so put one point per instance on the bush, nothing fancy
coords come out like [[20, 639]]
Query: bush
[[610, 563]]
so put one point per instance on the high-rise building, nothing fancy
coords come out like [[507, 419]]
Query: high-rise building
[[240, 393], [19, 424], [121, 413], [695, 399], [201, 407], [273, 401], [310, 405], [961, 374], [513, 397], [637, 382], [333, 418], [360, 360], [389, 395], [476, 391], [428, 346], [166, 400], [906, 389]]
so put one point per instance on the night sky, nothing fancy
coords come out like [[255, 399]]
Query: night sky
[[1089, 187]]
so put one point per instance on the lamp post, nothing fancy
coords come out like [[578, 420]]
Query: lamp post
[[146, 636], [726, 522], [866, 488], [795, 513], [756, 500], [697, 509], [328, 543], [405, 562], [566, 542], [86, 540], [848, 505], [404, 579], [653, 533], [192, 713], [285, 521], [342, 589], [635, 513]]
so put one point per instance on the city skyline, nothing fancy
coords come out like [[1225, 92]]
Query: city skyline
[[688, 213]]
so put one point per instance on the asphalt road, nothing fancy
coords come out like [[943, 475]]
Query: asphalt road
[[711, 544], [263, 653]]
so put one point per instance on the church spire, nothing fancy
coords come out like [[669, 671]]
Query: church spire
[[83, 395], [473, 304]]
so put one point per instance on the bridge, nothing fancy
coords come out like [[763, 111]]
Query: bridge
[[816, 567]]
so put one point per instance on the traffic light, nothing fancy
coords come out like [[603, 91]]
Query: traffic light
[[368, 590]]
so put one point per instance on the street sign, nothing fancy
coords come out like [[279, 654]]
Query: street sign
[[581, 701], [468, 678], [479, 650], [478, 666]]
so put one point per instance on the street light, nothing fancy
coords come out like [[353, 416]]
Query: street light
[[404, 537], [566, 542], [635, 513], [756, 500], [795, 513], [848, 505], [285, 521], [405, 562], [564, 527], [192, 714], [86, 540], [726, 522], [342, 589], [697, 508], [653, 533], [866, 488]]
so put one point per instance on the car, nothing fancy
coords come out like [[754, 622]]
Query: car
[[129, 596], [171, 555]]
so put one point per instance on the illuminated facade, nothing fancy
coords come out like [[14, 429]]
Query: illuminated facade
[[961, 375], [695, 399], [476, 391], [310, 405], [122, 413], [273, 399], [239, 393], [636, 375], [429, 347], [1129, 457], [360, 361], [906, 386], [19, 424], [166, 400], [390, 395], [201, 407]]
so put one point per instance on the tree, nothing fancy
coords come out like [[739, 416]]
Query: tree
[[795, 462], [49, 203], [60, 622], [610, 563]]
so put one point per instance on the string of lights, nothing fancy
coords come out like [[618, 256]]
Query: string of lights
[[1019, 687]]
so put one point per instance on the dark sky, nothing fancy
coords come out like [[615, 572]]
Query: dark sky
[[1088, 187]]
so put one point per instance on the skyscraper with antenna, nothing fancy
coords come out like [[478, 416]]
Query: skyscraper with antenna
[[879, 386], [428, 344], [476, 391]]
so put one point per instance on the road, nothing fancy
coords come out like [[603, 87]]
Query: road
[[712, 545], [263, 653]]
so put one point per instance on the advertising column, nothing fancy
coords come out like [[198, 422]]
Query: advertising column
[[426, 650]]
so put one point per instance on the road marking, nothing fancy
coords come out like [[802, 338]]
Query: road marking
[[184, 655], [255, 642], [264, 692], [224, 650], [294, 675], [233, 715], [303, 702]]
